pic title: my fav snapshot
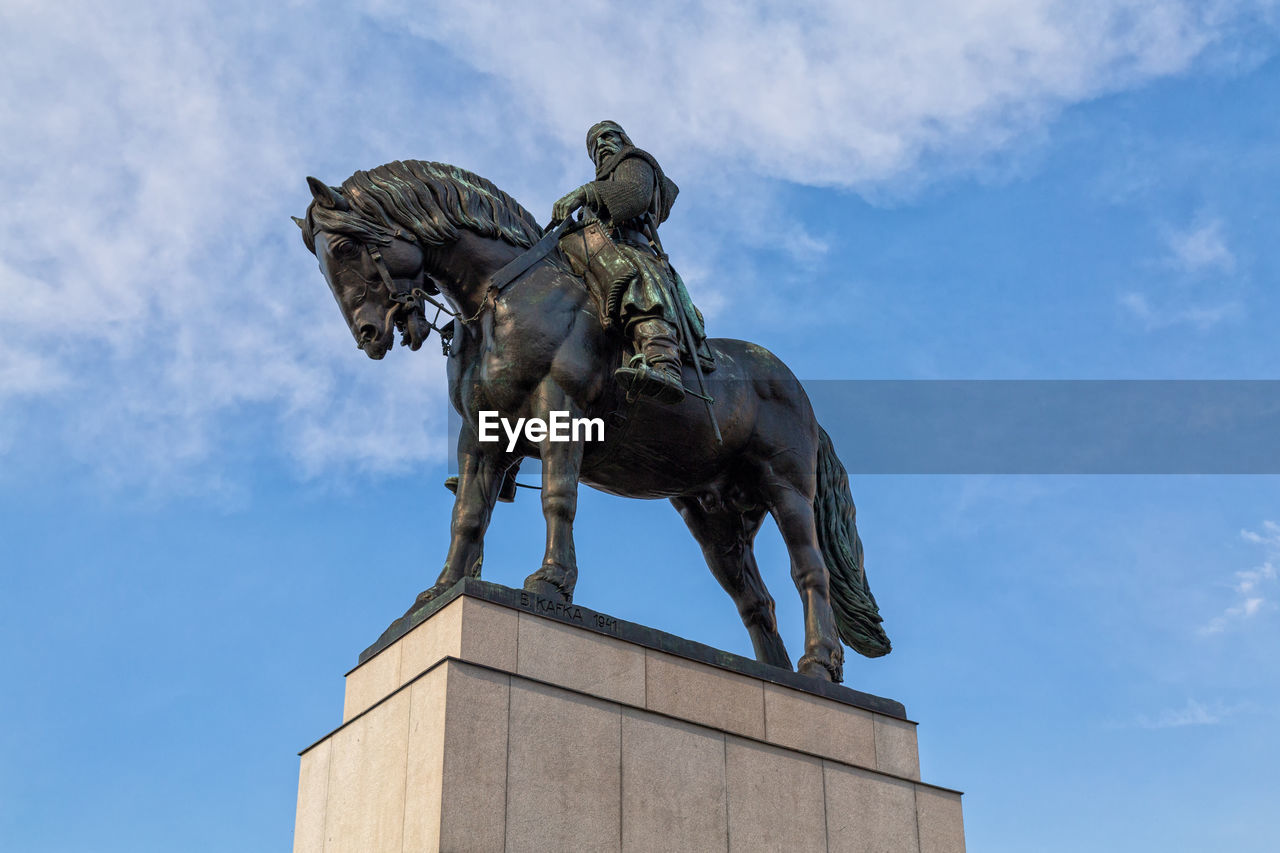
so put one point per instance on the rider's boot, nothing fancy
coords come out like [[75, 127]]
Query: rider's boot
[[654, 371]]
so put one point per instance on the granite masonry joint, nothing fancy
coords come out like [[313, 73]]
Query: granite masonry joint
[[631, 632], [590, 696]]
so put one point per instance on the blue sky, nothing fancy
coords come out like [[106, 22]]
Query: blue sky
[[198, 472]]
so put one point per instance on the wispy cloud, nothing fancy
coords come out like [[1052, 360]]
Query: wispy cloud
[[156, 296], [1196, 261], [1173, 311], [821, 93], [1268, 537], [1201, 248], [1193, 713], [154, 290], [1254, 587]]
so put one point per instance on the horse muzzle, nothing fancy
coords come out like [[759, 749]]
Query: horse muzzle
[[374, 329], [373, 341]]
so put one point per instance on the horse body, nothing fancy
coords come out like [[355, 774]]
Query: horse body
[[545, 329], [538, 347]]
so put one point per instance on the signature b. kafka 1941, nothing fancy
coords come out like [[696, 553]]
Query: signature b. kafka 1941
[[588, 317]]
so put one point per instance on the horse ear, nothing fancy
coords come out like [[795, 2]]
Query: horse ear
[[301, 223], [325, 195]]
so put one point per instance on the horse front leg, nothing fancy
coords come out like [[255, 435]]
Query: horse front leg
[[561, 464], [479, 477]]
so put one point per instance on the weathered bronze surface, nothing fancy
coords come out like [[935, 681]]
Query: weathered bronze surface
[[391, 239], [640, 291]]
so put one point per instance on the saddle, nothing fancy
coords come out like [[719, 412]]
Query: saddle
[[593, 255], [608, 272]]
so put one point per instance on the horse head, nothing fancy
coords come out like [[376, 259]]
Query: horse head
[[369, 267], [380, 236]]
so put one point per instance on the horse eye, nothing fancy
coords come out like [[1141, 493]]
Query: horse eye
[[345, 249]]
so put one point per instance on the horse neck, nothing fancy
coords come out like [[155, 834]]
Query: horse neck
[[465, 268]]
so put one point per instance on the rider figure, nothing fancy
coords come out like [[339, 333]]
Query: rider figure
[[631, 196]]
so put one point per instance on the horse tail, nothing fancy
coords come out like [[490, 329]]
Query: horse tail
[[857, 615]]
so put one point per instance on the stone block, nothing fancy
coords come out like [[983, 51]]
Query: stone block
[[473, 810], [365, 812], [313, 796], [564, 780], [896, 749], [498, 722], [940, 820], [869, 813], [426, 645], [371, 682], [775, 799], [813, 724], [580, 660], [704, 694], [673, 786], [489, 634], [424, 766]]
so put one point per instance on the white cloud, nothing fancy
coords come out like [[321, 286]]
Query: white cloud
[[155, 294], [1196, 261], [1201, 248], [153, 284], [1247, 582], [835, 94], [1269, 537], [1253, 587]]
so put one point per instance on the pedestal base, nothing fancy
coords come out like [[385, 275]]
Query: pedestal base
[[503, 721]]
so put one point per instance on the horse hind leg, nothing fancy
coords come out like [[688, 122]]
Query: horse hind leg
[[790, 500], [726, 539]]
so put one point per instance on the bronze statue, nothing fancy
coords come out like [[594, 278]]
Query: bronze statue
[[531, 338], [632, 196]]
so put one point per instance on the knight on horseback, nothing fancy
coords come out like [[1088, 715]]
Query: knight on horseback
[[531, 345], [631, 196]]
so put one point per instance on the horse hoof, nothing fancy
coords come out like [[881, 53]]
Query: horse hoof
[[427, 595], [546, 589], [815, 668]]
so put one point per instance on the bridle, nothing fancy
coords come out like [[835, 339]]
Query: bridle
[[412, 299]]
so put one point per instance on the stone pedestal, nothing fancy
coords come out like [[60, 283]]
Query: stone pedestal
[[500, 721]]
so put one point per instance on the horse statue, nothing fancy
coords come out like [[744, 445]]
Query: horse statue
[[533, 345]]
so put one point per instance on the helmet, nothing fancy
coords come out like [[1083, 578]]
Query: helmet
[[602, 127]]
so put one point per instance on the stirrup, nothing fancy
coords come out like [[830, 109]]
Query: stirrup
[[640, 379]]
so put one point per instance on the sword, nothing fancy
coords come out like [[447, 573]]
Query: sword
[[683, 324]]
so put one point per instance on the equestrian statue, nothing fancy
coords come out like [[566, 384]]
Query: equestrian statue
[[588, 319]]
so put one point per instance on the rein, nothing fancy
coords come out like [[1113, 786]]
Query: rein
[[415, 299], [521, 263], [517, 267]]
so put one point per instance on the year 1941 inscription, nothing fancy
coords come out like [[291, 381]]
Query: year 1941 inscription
[[570, 612]]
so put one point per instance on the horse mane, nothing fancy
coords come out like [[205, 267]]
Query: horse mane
[[430, 200]]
